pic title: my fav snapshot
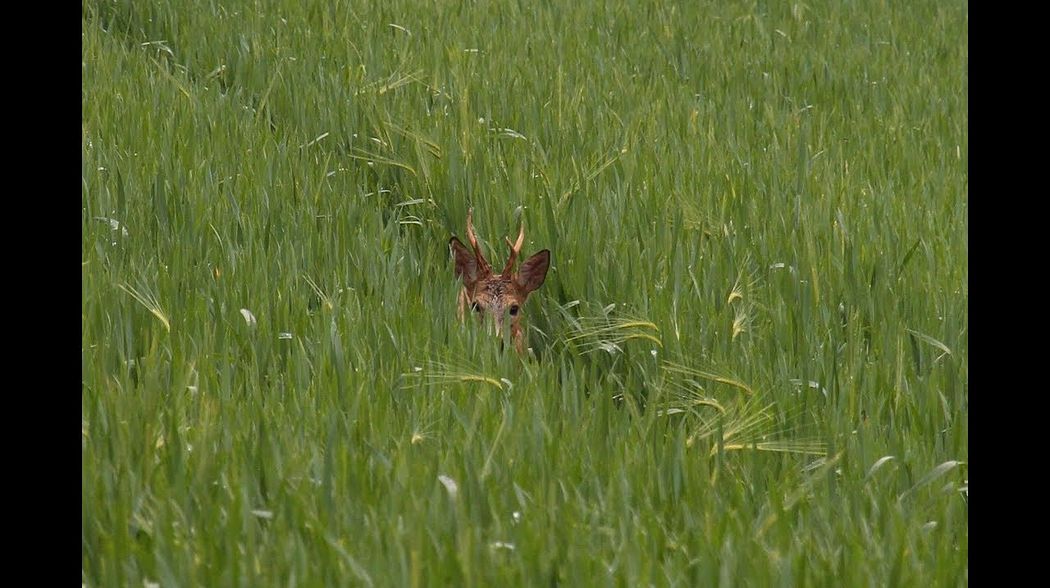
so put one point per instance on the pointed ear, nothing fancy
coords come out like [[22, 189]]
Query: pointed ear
[[532, 273], [466, 263]]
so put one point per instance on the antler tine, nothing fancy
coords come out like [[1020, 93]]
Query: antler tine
[[515, 249], [473, 238]]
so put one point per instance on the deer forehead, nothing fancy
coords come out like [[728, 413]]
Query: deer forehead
[[497, 290]]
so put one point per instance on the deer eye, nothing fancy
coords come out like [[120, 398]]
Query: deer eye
[[475, 307], [514, 310]]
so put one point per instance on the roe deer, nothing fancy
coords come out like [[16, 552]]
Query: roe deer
[[492, 294]]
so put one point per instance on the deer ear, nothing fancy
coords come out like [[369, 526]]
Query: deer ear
[[466, 263], [533, 272]]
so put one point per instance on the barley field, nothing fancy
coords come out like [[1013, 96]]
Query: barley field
[[748, 365]]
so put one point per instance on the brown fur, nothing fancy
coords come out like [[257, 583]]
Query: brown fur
[[489, 294]]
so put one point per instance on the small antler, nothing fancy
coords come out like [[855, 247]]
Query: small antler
[[483, 264], [515, 249]]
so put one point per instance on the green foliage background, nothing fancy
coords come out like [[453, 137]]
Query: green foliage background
[[749, 361]]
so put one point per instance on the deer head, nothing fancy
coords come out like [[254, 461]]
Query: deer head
[[493, 296]]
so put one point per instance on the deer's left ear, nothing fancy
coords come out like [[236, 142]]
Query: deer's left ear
[[466, 263], [533, 272]]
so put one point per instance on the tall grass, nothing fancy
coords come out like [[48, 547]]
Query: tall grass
[[749, 360]]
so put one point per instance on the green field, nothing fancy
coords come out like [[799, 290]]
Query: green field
[[749, 361]]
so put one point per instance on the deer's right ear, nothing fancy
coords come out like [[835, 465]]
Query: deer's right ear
[[466, 263], [534, 271]]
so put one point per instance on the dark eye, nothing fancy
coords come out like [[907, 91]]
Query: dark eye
[[476, 307], [514, 310]]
